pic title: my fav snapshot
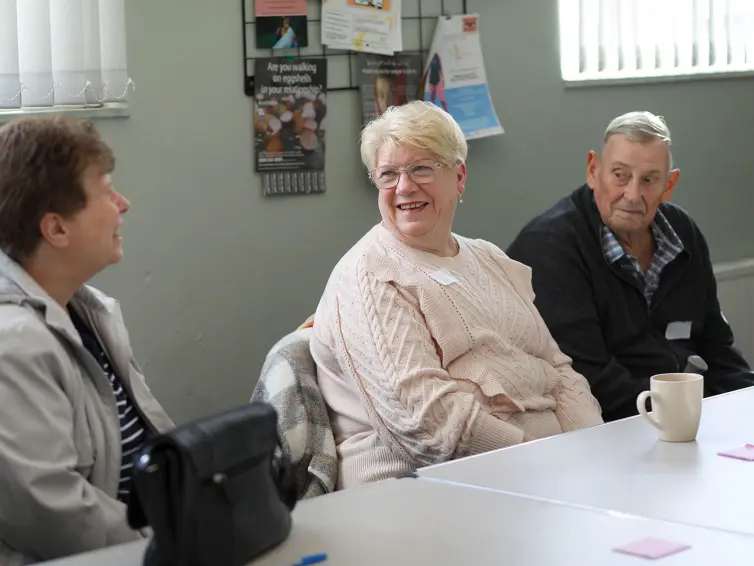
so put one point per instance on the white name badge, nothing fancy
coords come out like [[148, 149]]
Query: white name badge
[[443, 277], [678, 330]]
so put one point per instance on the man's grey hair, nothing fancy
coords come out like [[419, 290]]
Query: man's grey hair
[[642, 127]]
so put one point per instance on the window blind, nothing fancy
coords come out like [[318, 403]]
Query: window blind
[[62, 53], [614, 39]]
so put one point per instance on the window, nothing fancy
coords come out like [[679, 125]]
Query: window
[[58, 53], [631, 39]]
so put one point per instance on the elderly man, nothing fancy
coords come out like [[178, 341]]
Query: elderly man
[[623, 278]]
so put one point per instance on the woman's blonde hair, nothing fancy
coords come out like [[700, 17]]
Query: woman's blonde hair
[[417, 124]]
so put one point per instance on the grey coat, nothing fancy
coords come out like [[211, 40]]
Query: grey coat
[[60, 446]]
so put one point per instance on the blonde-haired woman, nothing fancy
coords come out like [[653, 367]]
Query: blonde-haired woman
[[428, 345]]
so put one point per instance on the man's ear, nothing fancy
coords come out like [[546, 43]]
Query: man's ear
[[673, 177], [592, 165], [54, 230]]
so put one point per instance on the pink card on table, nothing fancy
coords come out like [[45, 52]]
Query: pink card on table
[[652, 548], [744, 453]]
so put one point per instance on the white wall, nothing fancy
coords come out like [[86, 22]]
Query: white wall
[[735, 281]]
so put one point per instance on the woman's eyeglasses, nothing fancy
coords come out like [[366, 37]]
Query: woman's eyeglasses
[[420, 173]]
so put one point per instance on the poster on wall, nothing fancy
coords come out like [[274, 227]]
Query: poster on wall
[[281, 24], [455, 79], [370, 26], [386, 81], [290, 107], [282, 32], [279, 7]]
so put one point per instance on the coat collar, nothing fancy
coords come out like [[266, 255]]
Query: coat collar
[[584, 200], [18, 287]]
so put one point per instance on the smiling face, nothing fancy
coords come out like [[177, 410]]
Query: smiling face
[[630, 181], [419, 213], [89, 240]]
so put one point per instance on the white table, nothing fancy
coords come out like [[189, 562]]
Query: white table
[[622, 467], [428, 522]]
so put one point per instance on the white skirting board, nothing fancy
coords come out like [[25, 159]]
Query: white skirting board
[[735, 290]]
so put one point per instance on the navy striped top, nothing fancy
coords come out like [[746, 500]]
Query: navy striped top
[[132, 429]]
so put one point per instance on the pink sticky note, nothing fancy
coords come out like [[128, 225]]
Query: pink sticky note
[[279, 7], [652, 548], [743, 453]]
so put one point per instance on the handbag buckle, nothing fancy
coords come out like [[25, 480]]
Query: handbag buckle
[[144, 464]]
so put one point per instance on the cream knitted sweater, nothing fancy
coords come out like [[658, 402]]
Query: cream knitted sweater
[[423, 359]]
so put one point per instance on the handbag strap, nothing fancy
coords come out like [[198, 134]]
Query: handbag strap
[[282, 473]]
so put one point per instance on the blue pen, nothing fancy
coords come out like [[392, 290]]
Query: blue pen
[[312, 559]]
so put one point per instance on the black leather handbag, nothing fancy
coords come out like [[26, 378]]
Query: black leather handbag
[[216, 491]]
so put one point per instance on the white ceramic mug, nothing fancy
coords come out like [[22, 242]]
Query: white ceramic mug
[[676, 405]]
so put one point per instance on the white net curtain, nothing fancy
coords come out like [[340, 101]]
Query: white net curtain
[[62, 53]]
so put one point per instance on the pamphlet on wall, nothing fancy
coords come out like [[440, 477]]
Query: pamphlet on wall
[[386, 81], [281, 24], [263, 8], [370, 26], [290, 105], [455, 79], [282, 32]]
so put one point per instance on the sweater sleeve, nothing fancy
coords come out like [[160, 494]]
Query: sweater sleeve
[[565, 300], [575, 407], [383, 344]]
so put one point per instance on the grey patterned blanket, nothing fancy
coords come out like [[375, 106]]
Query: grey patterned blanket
[[289, 383]]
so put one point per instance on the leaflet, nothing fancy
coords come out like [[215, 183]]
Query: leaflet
[[369, 26], [455, 79]]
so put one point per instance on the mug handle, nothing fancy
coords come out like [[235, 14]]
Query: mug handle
[[641, 405]]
